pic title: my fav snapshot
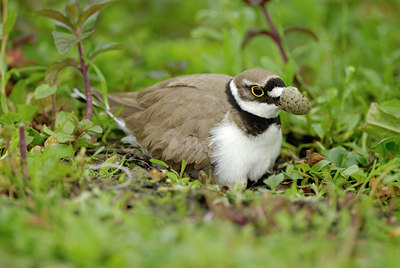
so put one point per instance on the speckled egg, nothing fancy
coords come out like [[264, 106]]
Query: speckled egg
[[293, 102]]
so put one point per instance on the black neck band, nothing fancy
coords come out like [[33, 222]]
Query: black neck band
[[254, 124]]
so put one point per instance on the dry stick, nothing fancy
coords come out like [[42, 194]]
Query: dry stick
[[22, 148], [84, 70]]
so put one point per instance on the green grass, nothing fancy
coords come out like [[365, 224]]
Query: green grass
[[340, 212]]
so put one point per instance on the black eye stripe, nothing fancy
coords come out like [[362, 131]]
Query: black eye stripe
[[274, 82]]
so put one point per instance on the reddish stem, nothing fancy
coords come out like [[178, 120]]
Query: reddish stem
[[22, 148], [274, 33], [84, 70]]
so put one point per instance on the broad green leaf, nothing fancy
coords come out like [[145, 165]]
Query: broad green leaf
[[48, 131], [381, 124], [388, 147], [56, 67], [73, 12], [83, 138], [58, 151], [274, 180], [343, 158], [65, 41], [294, 176], [57, 16], [96, 129], [320, 165], [12, 16], [85, 124], [350, 170], [26, 112], [303, 167], [64, 123], [391, 107], [43, 91], [9, 118], [102, 47], [64, 137], [85, 15], [37, 138]]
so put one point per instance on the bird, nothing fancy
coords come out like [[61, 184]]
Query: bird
[[229, 124]]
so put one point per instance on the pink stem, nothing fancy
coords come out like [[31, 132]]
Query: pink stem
[[22, 148], [84, 69], [274, 33]]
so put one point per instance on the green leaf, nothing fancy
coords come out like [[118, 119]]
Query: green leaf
[[381, 124], [274, 180], [73, 12], [18, 92], [43, 91], [388, 147], [159, 162], [391, 107], [344, 159], [320, 165], [85, 124], [64, 123], [57, 16], [26, 112], [9, 24], [319, 130], [96, 129], [64, 137], [58, 151], [294, 176], [102, 47], [65, 41], [48, 131], [90, 12], [37, 138], [9, 118], [56, 67], [350, 170]]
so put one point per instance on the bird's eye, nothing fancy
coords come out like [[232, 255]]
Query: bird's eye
[[257, 91]]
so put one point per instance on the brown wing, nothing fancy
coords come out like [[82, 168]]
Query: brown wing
[[172, 119]]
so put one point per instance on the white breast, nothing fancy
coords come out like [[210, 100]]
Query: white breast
[[237, 156]]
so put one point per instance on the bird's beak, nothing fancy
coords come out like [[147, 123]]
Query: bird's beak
[[278, 103]]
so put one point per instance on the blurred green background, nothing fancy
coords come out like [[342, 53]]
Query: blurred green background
[[334, 217]]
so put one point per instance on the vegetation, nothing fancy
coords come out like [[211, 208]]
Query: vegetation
[[72, 195]]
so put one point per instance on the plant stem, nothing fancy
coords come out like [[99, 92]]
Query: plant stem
[[274, 33], [54, 108], [84, 70], [22, 148], [3, 67]]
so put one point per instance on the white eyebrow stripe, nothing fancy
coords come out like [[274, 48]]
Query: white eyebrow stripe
[[276, 92], [248, 83]]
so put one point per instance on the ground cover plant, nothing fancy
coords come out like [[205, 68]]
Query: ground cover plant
[[72, 195]]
